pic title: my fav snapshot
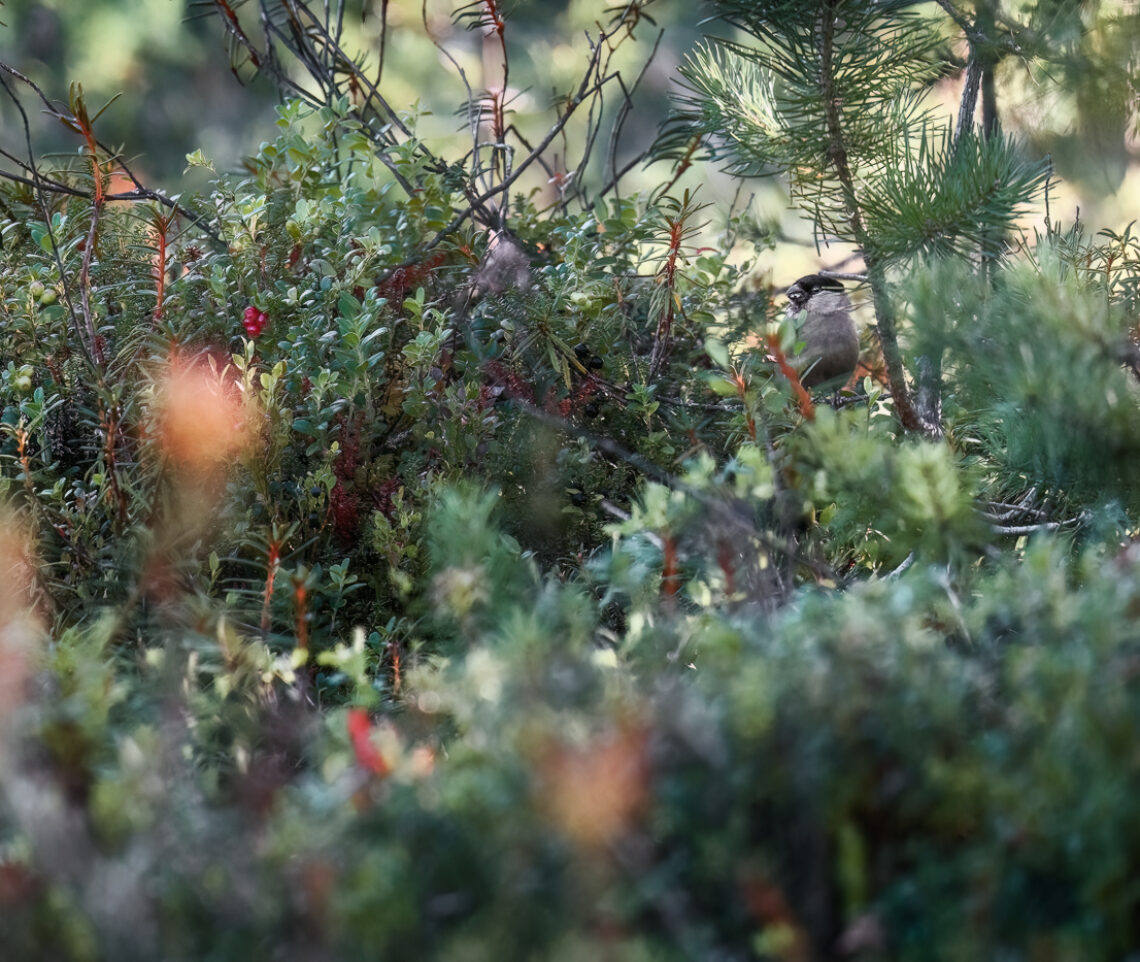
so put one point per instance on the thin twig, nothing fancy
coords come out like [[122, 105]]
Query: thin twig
[[595, 77], [860, 278], [623, 113], [51, 187], [518, 171], [903, 566]]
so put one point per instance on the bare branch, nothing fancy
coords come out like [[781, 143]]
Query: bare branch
[[50, 186], [623, 113], [519, 168], [903, 566]]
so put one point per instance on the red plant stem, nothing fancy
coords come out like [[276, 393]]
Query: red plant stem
[[742, 392], [25, 462], [300, 597], [498, 115], [498, 25], [724, 555], [236, 27], [85, 286], [495, 16], [807, 409], [367, 755], [274, 559], [96, 169], [668, 275], [160, 268], [493, 23], [395, 650]]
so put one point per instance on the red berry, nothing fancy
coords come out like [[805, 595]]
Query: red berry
[[251, 312], [262, 318]]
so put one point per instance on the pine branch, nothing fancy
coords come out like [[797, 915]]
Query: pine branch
[[884, 309]]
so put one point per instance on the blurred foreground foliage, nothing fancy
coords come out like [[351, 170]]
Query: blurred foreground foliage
[[377, 580]]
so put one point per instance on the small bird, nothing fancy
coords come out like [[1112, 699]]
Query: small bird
[[830, 342]]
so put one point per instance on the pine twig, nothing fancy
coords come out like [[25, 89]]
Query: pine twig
[[884, 309]]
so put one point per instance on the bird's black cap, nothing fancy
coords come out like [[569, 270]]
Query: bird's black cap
[[810, 284]]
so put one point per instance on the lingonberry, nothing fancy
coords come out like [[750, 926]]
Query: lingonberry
[[254, 321]]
